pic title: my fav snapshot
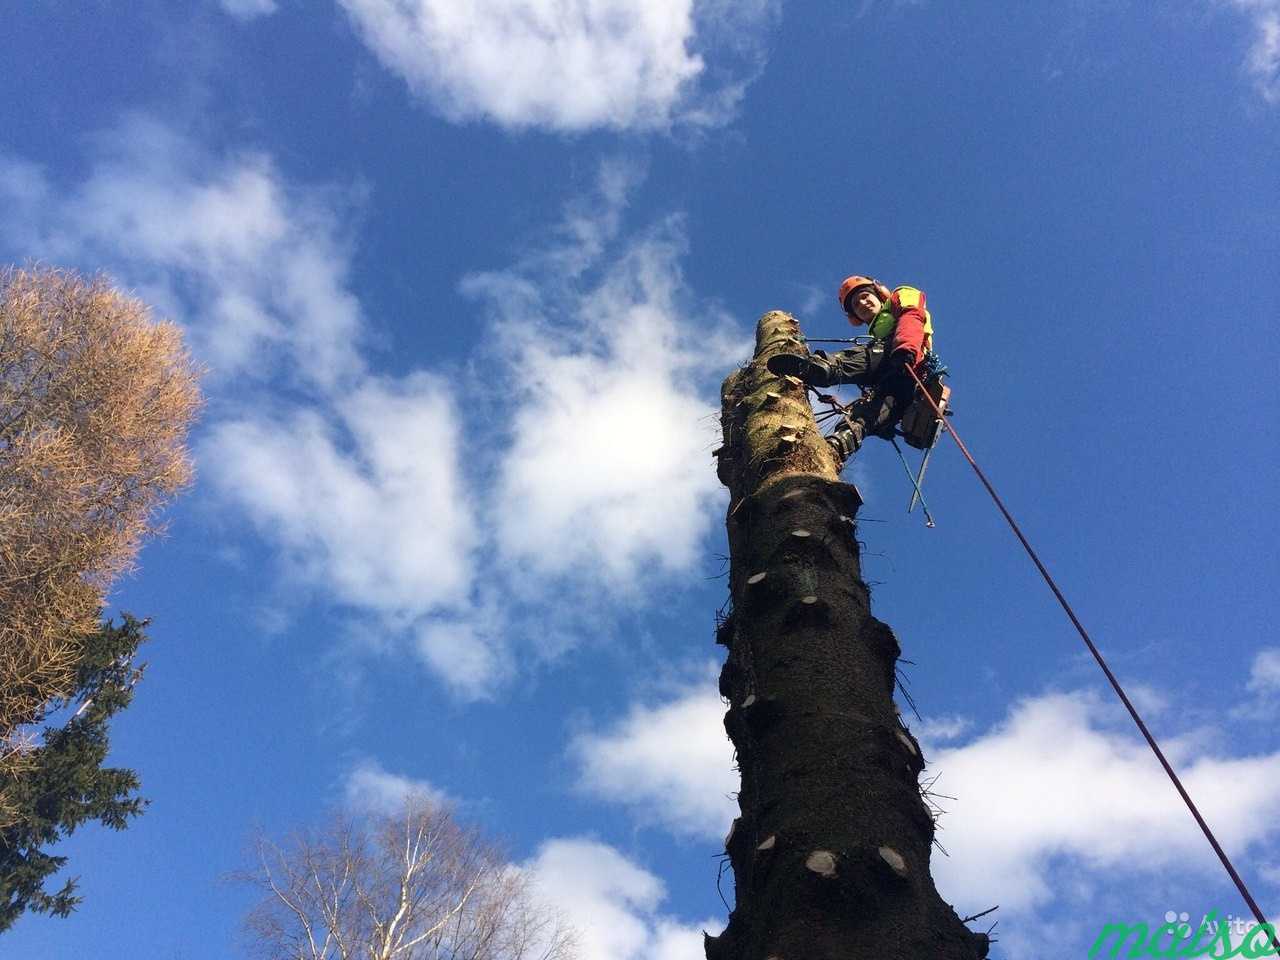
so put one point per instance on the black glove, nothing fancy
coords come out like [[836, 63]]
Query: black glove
[[896, 365], [813, 369]]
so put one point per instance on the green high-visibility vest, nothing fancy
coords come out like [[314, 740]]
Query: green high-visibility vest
[[883, 323]]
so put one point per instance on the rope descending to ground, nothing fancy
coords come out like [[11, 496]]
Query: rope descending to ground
[[1111, 677]]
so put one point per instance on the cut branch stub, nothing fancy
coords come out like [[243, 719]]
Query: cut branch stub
[[894, 860], [823, 863], [809, 684]]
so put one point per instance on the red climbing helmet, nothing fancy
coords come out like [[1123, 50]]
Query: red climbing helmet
[[852, 285]]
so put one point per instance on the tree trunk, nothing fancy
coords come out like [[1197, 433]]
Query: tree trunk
[[831, 852]]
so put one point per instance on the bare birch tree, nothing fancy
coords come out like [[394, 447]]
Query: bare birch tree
[[410, 885], [96, 398]]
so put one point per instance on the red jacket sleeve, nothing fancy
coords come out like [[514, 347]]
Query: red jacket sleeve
[[908, 306]]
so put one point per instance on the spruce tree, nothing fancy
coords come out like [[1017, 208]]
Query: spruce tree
[[63, 783], [830, 854]]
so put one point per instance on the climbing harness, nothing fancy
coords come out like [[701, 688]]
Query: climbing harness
[[1111, 677], [838, 409], [861, 341], [841, 410], [919, 426]]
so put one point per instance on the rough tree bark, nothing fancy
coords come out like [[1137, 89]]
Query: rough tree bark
[[831, 852]]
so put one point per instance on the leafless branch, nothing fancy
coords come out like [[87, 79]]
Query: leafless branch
[[413, 885]]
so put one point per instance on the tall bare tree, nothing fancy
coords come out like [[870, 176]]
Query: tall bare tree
[[96, 398], [831, 852], [409, 885]]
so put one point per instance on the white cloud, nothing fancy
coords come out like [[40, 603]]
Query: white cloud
[[1264, 675], [1053, 780], [360, 488], [610, 370], [609, 458], [613, 903], [1150, 701], [369, 504], [670, 762], [1044, 798], [563, 64], [370, 787], [1263, 59], [255, 270], [466, 652], [672, 941], [249, 9], [608, 463], [356, 480], [941, 729]]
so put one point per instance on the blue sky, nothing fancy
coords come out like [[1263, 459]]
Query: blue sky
[[466, 278]]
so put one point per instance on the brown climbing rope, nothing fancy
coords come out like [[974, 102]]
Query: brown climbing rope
[[1111, 677]]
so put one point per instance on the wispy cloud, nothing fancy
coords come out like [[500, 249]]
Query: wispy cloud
[[614, 904], [610, 365], [570, 64], [667, 762], [1052, 794], [363, 496], [1262, 62], [367, 487], [370, 787], [1109, 807], [355, 479], [468, 651], [942, 729], [249, 9], [1264, 674], [256, 270]]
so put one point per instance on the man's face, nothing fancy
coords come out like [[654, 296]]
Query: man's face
[[866, 305]]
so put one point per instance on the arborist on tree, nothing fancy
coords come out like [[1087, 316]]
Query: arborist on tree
[[902, 333]]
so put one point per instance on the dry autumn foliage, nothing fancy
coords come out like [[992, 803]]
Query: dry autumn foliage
[[96, 398]]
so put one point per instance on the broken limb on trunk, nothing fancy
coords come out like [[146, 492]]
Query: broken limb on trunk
[[830, 854]]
